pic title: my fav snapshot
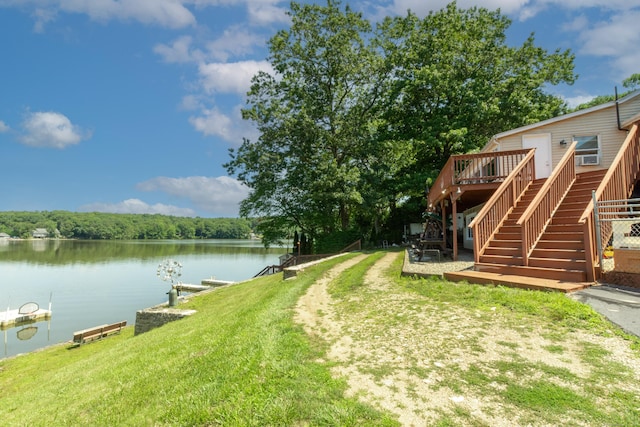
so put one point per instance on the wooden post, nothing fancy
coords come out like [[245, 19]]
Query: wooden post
[[454, 213], [443, 213]]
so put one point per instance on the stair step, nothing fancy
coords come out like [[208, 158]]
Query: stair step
[[511, 229], [495, 243], [502, 260], [600, 173], [558, 253], [560, 264], [584, 185], [562, 212], [560, 244], [561, 236], [501, 251], [541, 273], [508, 236], [565, 220], [564, 228]]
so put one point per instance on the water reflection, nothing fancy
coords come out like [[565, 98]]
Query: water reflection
[[27, 332]]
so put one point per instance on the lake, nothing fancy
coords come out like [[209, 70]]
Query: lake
[[90, 283]]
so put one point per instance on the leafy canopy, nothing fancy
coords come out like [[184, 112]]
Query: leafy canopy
[[355, 118]]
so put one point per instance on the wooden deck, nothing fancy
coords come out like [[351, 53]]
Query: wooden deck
[[487, 278]]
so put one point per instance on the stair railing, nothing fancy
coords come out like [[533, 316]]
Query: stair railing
[[535, 218], [501, 203], [617, 184]]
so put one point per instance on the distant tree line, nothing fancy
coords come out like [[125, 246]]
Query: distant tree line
[[110, 226]]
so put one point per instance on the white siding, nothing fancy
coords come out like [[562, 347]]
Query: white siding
[[602, 122]]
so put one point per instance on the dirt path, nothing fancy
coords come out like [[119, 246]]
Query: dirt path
[[402, 353]]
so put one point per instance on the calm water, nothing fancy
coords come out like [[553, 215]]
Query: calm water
[[91, 283]]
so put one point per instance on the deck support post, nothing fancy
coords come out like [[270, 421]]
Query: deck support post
[[443, 212], [454, 219]]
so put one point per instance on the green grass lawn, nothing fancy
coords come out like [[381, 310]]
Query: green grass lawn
[[242, 361]]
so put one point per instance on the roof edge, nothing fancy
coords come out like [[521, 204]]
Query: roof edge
[[567, 116]]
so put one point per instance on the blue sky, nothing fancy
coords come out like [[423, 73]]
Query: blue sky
[[130, 106]]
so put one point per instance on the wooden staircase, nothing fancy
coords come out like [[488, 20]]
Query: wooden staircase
[[543, 234], [560, 252]]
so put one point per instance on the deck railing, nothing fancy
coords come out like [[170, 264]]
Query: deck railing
[[536, 217], [494, 212], [475, 169], [617, 184]]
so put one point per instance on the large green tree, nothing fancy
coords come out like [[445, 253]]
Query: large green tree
[[354, 120], [457, 83], [317, 156]]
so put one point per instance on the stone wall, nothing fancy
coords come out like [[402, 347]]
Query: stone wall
[[155, 317]]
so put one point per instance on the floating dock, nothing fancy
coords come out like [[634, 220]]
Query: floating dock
[[213, 282], [205, 284], [13, 318], [186, 287]]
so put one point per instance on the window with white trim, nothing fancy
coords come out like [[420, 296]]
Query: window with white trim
[[467, 221], [588, 150]]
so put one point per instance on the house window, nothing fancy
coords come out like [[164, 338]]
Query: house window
[[588, 150], [467, 221]]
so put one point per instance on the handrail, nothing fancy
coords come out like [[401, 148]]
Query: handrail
[[536, 217], [473, 169], [617, 184], [300, 259], [494, 212], [355, 246]]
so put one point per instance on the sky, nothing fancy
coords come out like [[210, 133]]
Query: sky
[[131, 106]]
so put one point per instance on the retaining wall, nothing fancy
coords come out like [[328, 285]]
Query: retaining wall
[[155, 317]]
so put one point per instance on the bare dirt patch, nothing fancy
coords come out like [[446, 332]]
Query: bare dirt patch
[[403, 354]]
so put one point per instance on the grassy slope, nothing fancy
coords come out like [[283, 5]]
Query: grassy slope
[[241, 360]]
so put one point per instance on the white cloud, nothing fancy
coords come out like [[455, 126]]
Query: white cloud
[[220, 196], [266, 12], [179, 51], [232, 77], [213, 122], [422, 8], [42, 17], [617, 39], [231, 128], [136, 206], [50, 129], [574, 101], [579, 23], [4, 127], [583, 4], [236, 41], [165, 13], [190, 103], [524, 9]]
